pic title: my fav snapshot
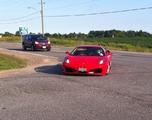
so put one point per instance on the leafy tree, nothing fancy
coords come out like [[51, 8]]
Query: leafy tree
[[47, 35], [7, 34], [17, 33]]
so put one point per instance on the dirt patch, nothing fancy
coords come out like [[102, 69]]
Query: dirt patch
[[33, 60]]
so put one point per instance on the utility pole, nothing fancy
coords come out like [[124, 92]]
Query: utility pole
[[42, 17]]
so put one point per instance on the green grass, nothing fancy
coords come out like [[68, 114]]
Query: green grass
[[10, 39], [8, 62], [138, 44]]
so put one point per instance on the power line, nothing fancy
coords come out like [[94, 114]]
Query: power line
[[20, 21], [24, 18], [101, 13], [19, 18]]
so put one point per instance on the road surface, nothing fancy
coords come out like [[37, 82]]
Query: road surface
[[124, 94]]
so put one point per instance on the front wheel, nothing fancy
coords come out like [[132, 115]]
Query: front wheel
[[33, 48], [48, 49]]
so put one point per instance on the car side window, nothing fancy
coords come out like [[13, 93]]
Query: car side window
[[26, 37], [104, 51]]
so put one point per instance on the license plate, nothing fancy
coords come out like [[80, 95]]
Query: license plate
[[44, 47], [82, 69]]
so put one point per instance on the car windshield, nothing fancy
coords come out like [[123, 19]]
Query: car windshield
[[88, 51], [38, 37]]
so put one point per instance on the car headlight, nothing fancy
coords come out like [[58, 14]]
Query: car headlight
[[36, 42], [101, 62], [67, 61]]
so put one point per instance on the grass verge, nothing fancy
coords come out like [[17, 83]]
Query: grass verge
[[8, 62], [10, 39], [136, 44]]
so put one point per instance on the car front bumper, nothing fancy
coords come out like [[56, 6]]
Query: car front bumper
[[99, 70], [40, 46]]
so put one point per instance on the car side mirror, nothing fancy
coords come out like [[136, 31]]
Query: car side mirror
[[67, 52], [108, 52]]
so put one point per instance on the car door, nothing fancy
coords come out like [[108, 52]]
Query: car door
[[25, 40], [109, 55], [29, 40]]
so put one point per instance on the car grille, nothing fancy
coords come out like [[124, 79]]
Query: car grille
[[82, 72], [99, 70], [70, 69], [43, 43]]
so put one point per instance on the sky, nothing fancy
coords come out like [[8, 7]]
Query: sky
[[26, 13]]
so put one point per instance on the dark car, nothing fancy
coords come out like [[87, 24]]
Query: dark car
[[35, 42]]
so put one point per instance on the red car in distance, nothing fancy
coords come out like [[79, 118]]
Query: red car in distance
[[89, 60], [35, 42]]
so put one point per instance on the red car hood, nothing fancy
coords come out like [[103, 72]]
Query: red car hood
[[84, 61]]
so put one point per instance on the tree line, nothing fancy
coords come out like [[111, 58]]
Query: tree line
[[102, 34], [93, 34]]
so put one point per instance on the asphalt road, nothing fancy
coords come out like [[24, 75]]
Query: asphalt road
[[124, 94]]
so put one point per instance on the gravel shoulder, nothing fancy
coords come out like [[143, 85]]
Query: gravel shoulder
[[33, 61]]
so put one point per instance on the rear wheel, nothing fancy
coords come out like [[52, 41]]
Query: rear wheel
[[23, 46]]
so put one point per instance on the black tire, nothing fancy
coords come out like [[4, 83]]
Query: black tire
[[48, 49], [24, 48], [33, 48]]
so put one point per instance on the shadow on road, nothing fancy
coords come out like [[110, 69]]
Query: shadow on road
[[16, 49], [54, 69], [19, 49]]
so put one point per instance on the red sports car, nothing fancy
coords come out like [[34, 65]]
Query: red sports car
[[89, 60]]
